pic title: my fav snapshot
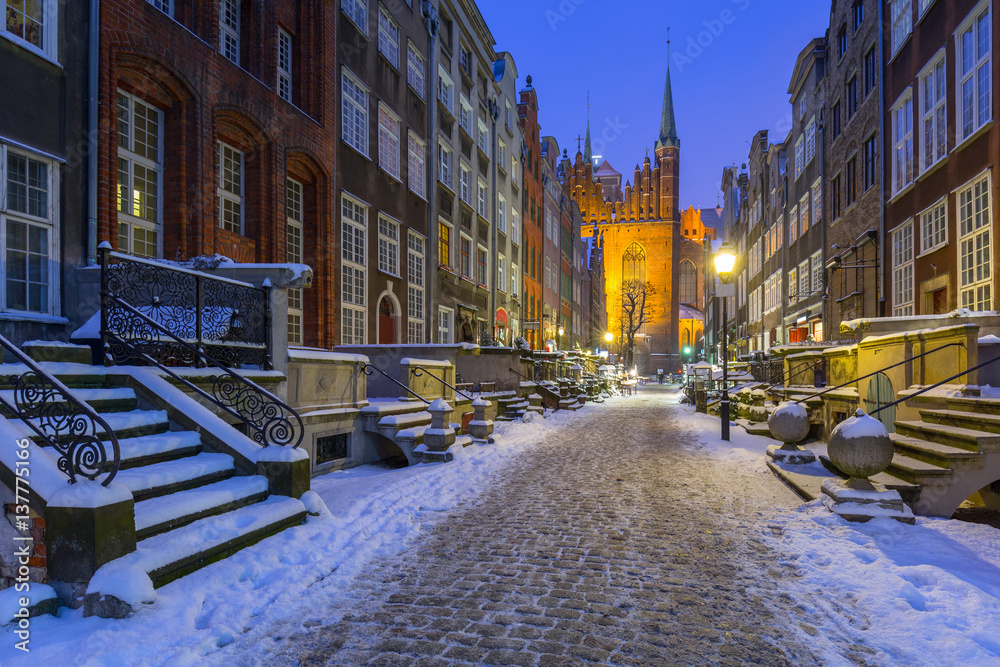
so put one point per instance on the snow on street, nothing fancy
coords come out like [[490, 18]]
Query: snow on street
[[626, 533]]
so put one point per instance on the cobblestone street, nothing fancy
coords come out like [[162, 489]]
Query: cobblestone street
[[616, 543]]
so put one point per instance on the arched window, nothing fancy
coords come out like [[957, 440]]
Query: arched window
[[634, 263], [688, 283]]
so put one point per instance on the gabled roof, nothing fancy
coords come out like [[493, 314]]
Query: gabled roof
[[606, 170]]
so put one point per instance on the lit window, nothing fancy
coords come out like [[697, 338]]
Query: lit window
[[388, 245], [293, 255], [444, 244], [902, 270], [975, 246], [230, 189], [33, 24], [140, 172], [974, 85]]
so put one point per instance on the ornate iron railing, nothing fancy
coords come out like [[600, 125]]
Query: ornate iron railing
[[417, 371], [368, 369], [268, 419], [771, 371], [226, 320], [71, 427]]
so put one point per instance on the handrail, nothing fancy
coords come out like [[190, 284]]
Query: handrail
[[934, 386], [368, 369], [526, 379], [267, 416], [803, 370], [857, 379], [420, 370], [69, 426]]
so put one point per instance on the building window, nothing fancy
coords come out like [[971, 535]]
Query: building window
[[465, 257], [417, 175], [481, 275], [465, 115], [835, 119], [688, 283], [805, 206], [229, 29], [284, 65], [975, 247], [446, 90], [501, 275], [835, 196], [415, 288], [852, 97], [465, 184], [804, 279], [501, 155], [934, 125], [483, 138], [293, 255], [974, 85], [28, 234], [415, 69], [444, 164], [871, 70], [446, 320], [444, 244], [548, 273], [817, 201], [354, 113], [793, 226], [934, 227], [388, 37], [515, 280], [842, 41], [388, 245], [140, 175], [852, 180], [817, 272], [509, 115], [800, 155], [871, 158], [501, 213], [354, 274], [858, 14], [483, 196], [902, 139], [357, 11], [230, 189], [811, 140], [515, 227], [164, 6], [902, 22], [465, 59], [902, 270], [332, 448], [793, 284], [388, 141]]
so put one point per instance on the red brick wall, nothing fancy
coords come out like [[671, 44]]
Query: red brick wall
[[174, 64]]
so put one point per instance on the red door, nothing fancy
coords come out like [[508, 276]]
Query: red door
[[386, 322]]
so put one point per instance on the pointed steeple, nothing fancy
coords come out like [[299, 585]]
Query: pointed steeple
[[668, 128], [588, 153]]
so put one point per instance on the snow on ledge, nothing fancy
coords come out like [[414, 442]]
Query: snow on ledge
[[10, 599], [278, 453], [87, 494], [326, 356], [413, 361]]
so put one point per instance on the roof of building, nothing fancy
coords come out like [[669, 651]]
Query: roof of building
[[712, 217], [689, 313], [606, 170], [668, 127]]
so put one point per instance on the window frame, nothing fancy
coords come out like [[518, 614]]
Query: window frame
[[935, 133], [416, 70], [901, 19], [228, 31], [390, 128], [416, 164], [132, 158], [224, 195], [416, 282], [353, 260], [48, 46], [934, 226], [963, 130], [902, 256], [294, 253], [354, 113], [901, 124], [979, 250], [389, 37], [285, 52]]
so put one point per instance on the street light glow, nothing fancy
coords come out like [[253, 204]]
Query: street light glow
[[725, 260], [609, 336]]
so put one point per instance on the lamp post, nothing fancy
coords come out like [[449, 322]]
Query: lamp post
[[608, 337], [559, 334], [725, 260]]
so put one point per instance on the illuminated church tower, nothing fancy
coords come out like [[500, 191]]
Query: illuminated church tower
[[668, 157]]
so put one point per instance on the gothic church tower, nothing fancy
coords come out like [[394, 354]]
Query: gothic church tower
[[668, 157]]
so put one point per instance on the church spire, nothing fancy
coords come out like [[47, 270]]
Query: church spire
[[588, 153], [668, 128]]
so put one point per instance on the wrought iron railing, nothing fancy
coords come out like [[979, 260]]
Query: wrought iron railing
[[226, 320], [268, 420], [924, 390], [819, 367], [523, 377], [771, 371], [417, 371], [368, 369], [67, 425]]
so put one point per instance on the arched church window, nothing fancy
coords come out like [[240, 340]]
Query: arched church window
[[688, 282], [634, 263]]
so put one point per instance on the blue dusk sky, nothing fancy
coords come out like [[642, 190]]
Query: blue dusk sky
[[730, 64]]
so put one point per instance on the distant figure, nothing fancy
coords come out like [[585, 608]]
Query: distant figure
[[819, 374]]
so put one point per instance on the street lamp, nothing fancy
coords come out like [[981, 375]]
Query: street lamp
[[559, 334], [725, 260]]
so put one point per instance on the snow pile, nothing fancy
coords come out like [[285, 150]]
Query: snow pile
[[130, 584], [10, 599], [860, 426], [916, 595]]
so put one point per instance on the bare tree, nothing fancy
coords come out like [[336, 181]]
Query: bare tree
[[637, 310]]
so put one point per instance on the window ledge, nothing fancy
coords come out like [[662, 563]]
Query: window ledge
[[931, 251], [987, 126], [353, 148], [902, 46], [902, 193], [40, 318], [390, 274], [941, 161], [30, 48]]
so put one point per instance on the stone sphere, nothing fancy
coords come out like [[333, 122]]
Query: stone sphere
[[789, 422], [860, 446]]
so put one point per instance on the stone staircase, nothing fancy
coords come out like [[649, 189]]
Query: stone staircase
[[947, 455], [184, 492]]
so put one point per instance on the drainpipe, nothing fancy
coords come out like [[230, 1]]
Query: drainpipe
[[825, 297], [880, 271], [494, 108], [94, 48], [432, 24]]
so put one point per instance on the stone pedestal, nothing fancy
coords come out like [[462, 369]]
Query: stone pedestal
[[286, 469], [789, 423], [860, 500], [480, 428], [440, 435]]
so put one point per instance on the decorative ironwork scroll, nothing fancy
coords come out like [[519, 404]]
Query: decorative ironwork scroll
[[60, 421]]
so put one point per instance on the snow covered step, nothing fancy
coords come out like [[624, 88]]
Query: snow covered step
[[102, 400], [157, 515], [937, 454], [175, 553], [977, 421], [949, 435], [916, 471], [159, 447], [162, 478], [407, 420], [130, 424]]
